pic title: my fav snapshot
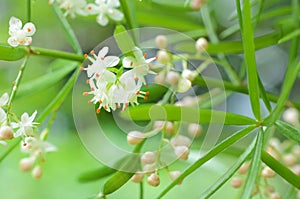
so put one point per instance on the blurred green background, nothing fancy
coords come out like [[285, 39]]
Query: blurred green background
[[63, 167]]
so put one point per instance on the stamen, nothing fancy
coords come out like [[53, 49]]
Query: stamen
[[92, 52], [138, 92], [89, 7], [145, 55], [102, 58], [98, 110], [81, 68], [85, 93], [87, 81], [100, 101], [147, 93], [28, 30], [97, 75], [145, 98], [85, 55], [92, 89], [136, 78], [89, 102], [131, 63]]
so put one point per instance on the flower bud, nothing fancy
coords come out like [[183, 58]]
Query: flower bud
[[148, 158], [196, 4], [163, 57], [194, 130], [275, 196], [184, 85], [37, 172], [137, 177], [161, 41], [188, 74], [6, 133], [153, 180], [201, 44], [244, 168], [135, 137], [172, 78], [236, 182], [26, 164], [267, 172], [159, 78], [174, 175], [169, 128], [289, 159], [291, 115], [180, 140], [182, 152], [272, 153]]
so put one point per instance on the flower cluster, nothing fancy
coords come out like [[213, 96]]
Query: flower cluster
[[114, 90], [286, 152], [104, 9], [19, 35], [31, 143]]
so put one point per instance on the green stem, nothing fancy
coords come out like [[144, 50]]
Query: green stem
[[68, 29], [56, 54], [281, 170], [28, 10], [16, 84], [141, 190]]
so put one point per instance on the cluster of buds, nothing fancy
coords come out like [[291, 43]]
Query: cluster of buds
[[179, 81], [31, 143], [286, 152], [114, 90], [104, 9], [151, 161]]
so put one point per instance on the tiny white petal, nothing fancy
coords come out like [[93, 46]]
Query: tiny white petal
[[102, 19], [15, 22], [103, 52], [4, 99], [13, 41], [111, 61], [116, 15], [29, 29], [113, 3]]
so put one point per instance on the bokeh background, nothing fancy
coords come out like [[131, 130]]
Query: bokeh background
[[62, 168]]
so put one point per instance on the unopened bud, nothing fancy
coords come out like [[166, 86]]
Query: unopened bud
[[291, 115], [169, 128], [6, 133], [236, 182], [135, 137], [184, 85], [267, 172], [172, 78], [296, 169], [180, 140], [201, 44], [153, 180], [174, 175], [37, 172], [148, 158], [289, 159], [163, 57], [296, 151], [26, 164], [194, 130], [244, 168], [161, 41], [137, 177], [182, 152], [188, 74]]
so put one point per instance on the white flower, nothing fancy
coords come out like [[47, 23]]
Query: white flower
[[25, 125], [72, 7], [105, 9], [138, 64], [19, 35], [3, 101], [100, 63], [36, 147]]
